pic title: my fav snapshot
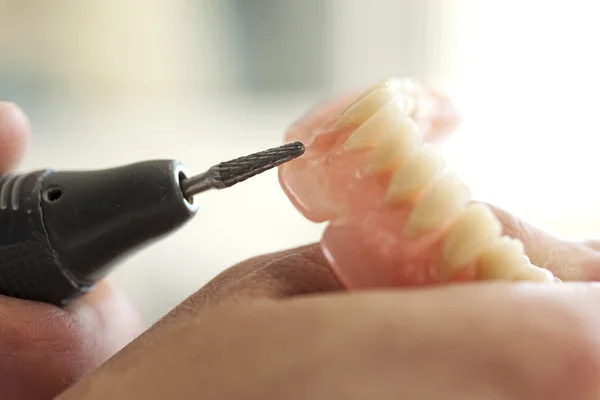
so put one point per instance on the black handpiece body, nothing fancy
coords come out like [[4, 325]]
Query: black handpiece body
[[61, 232]]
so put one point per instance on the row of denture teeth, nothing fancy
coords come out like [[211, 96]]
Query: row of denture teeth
[[385, 118]]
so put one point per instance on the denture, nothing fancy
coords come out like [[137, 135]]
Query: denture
[[395, 216]]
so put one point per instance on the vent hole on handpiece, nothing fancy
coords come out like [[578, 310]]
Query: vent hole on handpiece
[[53, 194]]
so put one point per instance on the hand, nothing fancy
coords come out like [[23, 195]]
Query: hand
[[280, 327], [43, 349]]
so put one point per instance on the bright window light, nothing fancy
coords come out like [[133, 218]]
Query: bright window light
[[530, 87]]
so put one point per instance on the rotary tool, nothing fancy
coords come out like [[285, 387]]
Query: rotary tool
[[63, 231]]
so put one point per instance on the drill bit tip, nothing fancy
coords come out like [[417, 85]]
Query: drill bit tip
[[228, 173]]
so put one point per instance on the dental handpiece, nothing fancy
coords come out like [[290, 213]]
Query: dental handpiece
[[63, 231]]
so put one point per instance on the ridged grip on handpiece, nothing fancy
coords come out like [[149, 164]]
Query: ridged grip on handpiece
[[28, 266], [61, 232]]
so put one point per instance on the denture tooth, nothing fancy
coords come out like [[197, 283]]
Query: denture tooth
[[386, 122], [535, 274], [409, 94], [370, 132], [438, 203], [406, 86], [472, 232], [400, 141], [422, 168], [402, 91], [504, 259], [361, 111], [395, 85]]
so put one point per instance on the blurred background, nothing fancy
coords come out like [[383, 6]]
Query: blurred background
[[108, 82]]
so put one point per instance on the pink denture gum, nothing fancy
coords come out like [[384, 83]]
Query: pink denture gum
[[395, 218]]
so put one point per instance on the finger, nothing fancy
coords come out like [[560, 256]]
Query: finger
[[44, 349], [294, 272], [568, 260], [14, 135]]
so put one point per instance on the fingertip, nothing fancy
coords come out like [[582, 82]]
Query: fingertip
[[15, 130]]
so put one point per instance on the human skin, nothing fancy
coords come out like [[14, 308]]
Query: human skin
[[280, 326], [43, 349]]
